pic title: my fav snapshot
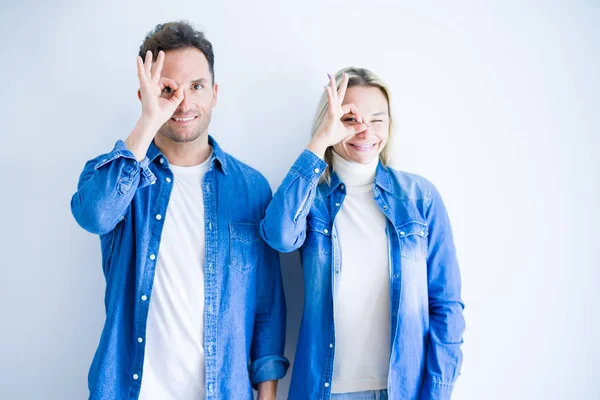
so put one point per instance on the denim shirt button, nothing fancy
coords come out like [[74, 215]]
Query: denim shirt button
[[402, 233], [135, 377], [337, 204], [168, 179], [331, 345], [162, 160], [325, 231], [140, 340], [152, 257], [326, 384], [317, 170], [385, 207], [144, 298], [158, 217], [396, 276]]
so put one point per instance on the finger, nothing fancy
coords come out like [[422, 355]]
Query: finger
[[354, 129], [157, 69], [333, 87], [352, 109], [148, 64], [167, 82], [330, 99], [178, 96], [342, 90], [140, 70]]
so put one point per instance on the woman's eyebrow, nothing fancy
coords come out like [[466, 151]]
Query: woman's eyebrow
[[379, 113]]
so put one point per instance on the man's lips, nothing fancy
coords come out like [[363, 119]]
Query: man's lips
[[184, 119]]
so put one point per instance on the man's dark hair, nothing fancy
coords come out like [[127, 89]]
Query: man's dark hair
[[178, 35]]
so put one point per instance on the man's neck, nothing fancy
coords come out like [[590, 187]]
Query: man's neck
[[185, 154]]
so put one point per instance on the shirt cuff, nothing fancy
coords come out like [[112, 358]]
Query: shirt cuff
[[309, 166], [434, 389], [269, 368], [121, 150]]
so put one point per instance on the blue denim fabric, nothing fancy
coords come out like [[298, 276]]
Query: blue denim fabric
[[125, 202], [367, 395], [425, 302]]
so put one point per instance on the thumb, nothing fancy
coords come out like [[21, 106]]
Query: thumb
[[354, 129], [178, 95]]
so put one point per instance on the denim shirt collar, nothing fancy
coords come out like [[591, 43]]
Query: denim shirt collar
[[383, 180], [217, 154]]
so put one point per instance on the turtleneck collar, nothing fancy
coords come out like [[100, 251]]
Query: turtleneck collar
[[358, 178]]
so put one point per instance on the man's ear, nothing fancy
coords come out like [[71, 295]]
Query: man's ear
[[215, 92]]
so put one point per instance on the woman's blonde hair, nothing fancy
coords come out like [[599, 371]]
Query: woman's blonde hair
[[357, 77]]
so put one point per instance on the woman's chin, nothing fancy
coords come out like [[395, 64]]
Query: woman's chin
[[363, 157]]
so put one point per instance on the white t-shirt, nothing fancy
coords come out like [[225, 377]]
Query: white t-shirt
[[174, 366], [362, 318]]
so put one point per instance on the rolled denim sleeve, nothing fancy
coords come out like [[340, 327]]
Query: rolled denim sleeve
[[268, 340], [284, 225], [446, 322], [106, 187], [269, 368]]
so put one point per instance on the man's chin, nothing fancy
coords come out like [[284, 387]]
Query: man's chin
[[180, 137]]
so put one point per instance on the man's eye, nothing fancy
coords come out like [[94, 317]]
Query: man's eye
[[197, 86], [167, 90]]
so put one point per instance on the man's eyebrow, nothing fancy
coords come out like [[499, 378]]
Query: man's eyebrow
[[199, 80]]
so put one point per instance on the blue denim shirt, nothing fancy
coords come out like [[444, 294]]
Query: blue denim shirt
[[426, 307], [125, 202]]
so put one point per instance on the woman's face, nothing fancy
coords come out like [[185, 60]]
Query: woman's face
[[364, 147]]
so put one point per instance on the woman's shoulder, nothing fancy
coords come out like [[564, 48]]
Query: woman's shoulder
[[409, 185]]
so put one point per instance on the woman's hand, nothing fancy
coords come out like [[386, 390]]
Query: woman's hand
[[332, 130]]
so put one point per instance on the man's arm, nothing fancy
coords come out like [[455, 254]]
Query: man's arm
[[267, 390], [109, 182], [268, 364]]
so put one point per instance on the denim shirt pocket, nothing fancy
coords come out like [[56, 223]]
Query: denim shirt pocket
[[244, 241], [318, 236], [412, 236]]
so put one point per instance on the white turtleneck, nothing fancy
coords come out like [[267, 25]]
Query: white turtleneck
[[362, 317]]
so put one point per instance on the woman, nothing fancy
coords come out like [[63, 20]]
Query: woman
[[382, 312]]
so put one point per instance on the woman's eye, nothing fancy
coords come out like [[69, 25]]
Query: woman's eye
[[350, 119], [167, 90], [377, 120]]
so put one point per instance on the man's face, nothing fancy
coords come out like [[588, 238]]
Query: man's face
[[189, 69]]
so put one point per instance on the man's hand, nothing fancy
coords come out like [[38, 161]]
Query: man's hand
[[160, 98]]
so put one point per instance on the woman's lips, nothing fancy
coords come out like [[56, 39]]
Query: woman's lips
[[362, 147]]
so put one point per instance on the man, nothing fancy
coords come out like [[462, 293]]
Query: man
[[194, 299]]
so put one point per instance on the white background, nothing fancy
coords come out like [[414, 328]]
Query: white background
[[497, 103]]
